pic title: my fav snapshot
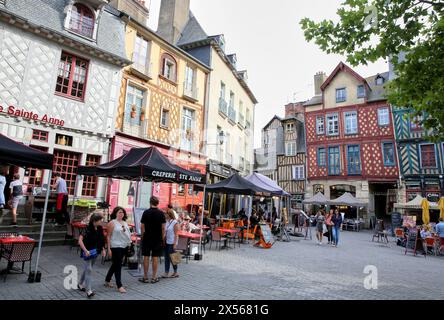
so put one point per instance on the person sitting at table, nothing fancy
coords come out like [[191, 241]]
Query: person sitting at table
[[440, 231], [425, 232], [230, 213], [254, 219]]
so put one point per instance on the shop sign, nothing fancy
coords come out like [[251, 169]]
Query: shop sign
[[30, 115], [318, 188]]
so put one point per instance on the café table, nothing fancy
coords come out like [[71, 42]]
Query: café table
[[225, 231]]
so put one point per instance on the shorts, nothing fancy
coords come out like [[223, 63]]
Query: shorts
[[152, 249], [15, 202]]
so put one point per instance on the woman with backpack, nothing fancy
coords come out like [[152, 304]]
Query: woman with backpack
[[118, 240], [92, 244]]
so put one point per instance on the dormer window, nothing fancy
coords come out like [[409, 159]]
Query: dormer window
[[82, 20], [361, 91], [379, 81]]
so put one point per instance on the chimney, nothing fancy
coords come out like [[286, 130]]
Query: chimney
[[136, 9], [173, 17], [319, 79], [294, 109]]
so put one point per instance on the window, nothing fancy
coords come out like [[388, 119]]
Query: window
[[165, 118], [222, 90], [320, 125], [189, 80], [341, 95], [190, 189], [71, 79], [169, 67], [218, 145], [90, 183], [351, 122], [40, 135], [388, 152], [334, 161], [290, 127], [64, 140], [361, 91], [140, 56], [428, 156], [354, 160], [66, 163], [332, 124], [290, 149], [416, 123], [322, 157], [187, 129], [379, 81], [133, 105], [228, 156], [298, 173], [181, 189], [232, 100], [82, 20], [383, 117], [34, 176]]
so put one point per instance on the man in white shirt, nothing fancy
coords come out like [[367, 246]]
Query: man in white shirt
[[62, 200]]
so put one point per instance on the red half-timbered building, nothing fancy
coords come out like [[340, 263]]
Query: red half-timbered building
[[350, 141]]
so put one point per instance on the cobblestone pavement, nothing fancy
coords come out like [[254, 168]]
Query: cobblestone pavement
[[290, 270]]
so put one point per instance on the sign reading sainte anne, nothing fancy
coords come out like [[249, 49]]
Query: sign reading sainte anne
[[30, 115]]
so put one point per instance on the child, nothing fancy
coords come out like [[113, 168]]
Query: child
[[92, 240]]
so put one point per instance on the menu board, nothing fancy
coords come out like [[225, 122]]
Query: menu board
[[266, 233], [412, 239], [409, 221], [396, 221]]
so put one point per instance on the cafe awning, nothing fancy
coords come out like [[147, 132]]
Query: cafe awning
[[416, 204], [347, 199], [318, 199], [236, 185], [267, 184]]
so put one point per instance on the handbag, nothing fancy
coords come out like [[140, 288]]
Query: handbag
[[324, 228], [176, 258], [130, 251], [92, 254]]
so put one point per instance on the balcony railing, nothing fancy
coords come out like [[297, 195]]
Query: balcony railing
[[190, 91], [142, 68], [223, 106], [232, 114]]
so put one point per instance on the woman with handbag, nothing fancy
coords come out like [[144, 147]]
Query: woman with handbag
[[320, 220], [330, 224], [171, 239], [91, 243], [118, 240]]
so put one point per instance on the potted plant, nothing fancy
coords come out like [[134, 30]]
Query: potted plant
[[133, 111], [142, 115]]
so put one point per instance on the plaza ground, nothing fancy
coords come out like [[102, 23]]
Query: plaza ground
[[290, 270]]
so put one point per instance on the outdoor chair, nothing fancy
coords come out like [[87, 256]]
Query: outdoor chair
[[250, 234], [204, 242], [216, 237], [430, 244], [235, 237], [182, 245], [8, 234], [379, 232], [17, 252]]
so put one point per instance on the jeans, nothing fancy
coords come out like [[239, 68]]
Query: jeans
[[116, 267], [2, 190], [169, 249], [336, 232], [86, 278], [330, 234]]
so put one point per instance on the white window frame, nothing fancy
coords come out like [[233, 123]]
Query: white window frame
[[380, 115], [167, 63], [186, 144], [330, 123], [360, 94], [289, 127], [341, 98], [190, 84], [167, 111], [298, 172], [350, 126], [319, 125], [290, 149], [138, 54]]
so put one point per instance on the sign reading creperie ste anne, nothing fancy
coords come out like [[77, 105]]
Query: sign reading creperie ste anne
[[30, 115]]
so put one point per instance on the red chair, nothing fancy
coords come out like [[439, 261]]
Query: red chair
[[216, 237], [17, 252]]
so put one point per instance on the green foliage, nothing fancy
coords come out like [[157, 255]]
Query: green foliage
[[369, 30]]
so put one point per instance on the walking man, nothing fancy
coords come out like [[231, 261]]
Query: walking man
[[153, 235]]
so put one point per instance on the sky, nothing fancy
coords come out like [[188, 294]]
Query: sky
[[270, 45]]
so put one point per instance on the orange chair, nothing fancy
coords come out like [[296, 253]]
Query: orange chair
[[250, 235], [399, 233]]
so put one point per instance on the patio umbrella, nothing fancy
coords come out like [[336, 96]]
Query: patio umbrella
[[441, 207], [425, 211]]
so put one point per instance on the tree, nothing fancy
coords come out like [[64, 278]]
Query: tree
[[370, 30]]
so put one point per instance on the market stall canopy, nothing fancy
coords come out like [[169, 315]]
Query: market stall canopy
[[318, 199], [148, 164], [416, 204], [347, 199], [17, 154], [236, 185], [267, 184]]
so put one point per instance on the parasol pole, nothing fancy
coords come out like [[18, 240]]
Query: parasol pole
[[201, 221], [79, 177], [42, 229]]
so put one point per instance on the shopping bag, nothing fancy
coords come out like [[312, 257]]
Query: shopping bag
[[176, 258]]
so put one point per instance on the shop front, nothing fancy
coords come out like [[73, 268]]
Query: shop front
[[123, 193]]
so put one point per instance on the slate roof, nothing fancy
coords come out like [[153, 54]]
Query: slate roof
[[378, 92], [49, 14], [314, 101], [192, 32]]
